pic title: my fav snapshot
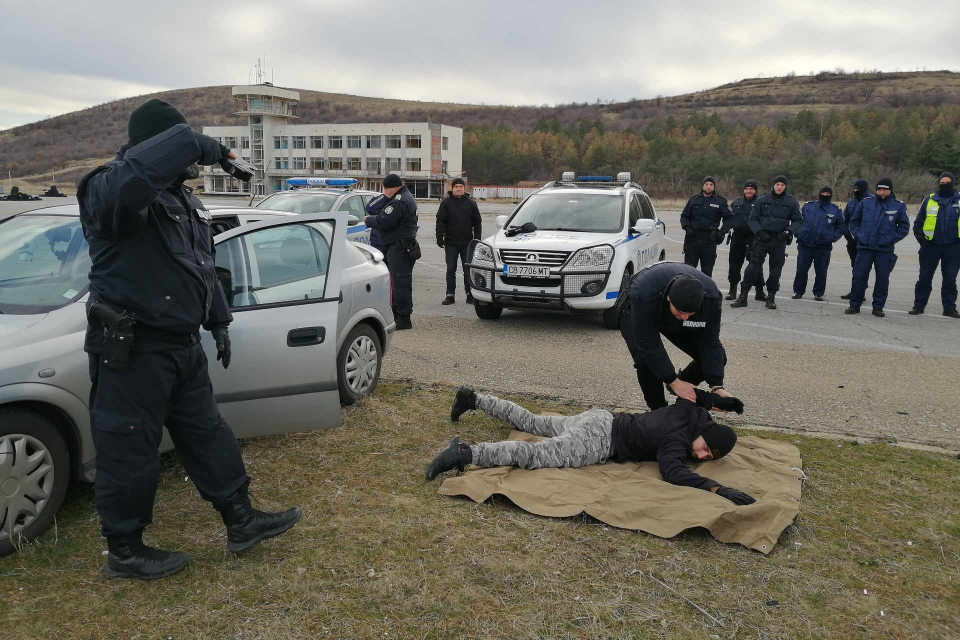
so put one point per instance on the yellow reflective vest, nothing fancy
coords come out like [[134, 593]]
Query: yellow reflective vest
[[930, 221]]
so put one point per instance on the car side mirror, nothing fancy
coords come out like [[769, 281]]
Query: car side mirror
[[501, 221], [644, 225], [352, 220]]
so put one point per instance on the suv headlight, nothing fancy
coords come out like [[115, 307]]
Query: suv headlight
[[591, 259], [483, 254]]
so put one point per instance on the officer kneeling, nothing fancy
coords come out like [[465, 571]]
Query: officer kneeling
[[152, 286]]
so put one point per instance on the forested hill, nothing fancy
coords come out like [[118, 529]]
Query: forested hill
[[825, 127]]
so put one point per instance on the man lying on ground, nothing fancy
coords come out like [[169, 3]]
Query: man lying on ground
[[670, 436]]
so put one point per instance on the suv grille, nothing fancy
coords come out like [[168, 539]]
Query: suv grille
[[545, 258]]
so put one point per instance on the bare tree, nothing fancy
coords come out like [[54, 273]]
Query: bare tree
[[866, 91], [835, 172]]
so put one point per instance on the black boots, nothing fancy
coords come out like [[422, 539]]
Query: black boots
[[403, 323], [457, 455], [879, 313], [916, 312], [128, 557], [851, 310], [247, 526], [466, 400], [741, 300], [771, 300], [797, 296], [846, 296], [448, 300], [733, 291], [951, 313], [760, 296]]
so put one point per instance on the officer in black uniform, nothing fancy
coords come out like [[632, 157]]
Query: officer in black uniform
[[684, 305], [774, 221], [700, 219], [860, 191], [152, 286], [396, 222], [740, 239]]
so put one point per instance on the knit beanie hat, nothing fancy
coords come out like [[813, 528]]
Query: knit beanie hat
[[885, 183], [751, 183], [947, 174], [686, 294], [720, 438], [457, 181], [780, 178], [709, 179], [392, 180], [152, 118]]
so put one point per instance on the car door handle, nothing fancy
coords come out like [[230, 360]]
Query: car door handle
[[306, 336]]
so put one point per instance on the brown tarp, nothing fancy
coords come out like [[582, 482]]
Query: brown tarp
[[632, 495]]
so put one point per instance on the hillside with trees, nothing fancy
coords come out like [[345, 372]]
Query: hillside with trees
[[825, 127]]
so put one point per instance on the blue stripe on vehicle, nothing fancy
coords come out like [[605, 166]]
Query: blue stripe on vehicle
[[504, 269], [612, 294], [357, 228], [624, 240]]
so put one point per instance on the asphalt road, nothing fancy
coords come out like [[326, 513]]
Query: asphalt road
[[805, 366]]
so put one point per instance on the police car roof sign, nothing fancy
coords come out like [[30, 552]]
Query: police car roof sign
[[322, 182]]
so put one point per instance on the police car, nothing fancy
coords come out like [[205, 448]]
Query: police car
[[320, 195], [591, 233]]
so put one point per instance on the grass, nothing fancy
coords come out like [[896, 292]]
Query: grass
[[379, 554]]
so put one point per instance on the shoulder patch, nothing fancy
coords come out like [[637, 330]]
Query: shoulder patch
[[398, 197], [388, 210]]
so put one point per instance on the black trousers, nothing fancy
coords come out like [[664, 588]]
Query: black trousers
[[852, 252], [763, 247], [739, 249], [401, 275], [819, 257], [128, 410], [700, 250], [652, 388], [456, 253]]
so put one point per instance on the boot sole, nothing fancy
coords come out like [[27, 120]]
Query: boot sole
[[242, 547], [113, 573]]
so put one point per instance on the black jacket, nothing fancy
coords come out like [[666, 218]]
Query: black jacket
[[458, 220], [150, 239], [397, 220], [650, 316], [740, 219], [665, 435], [773, 214], [704, 213]]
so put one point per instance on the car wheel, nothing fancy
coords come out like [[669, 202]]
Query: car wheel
[[358, 364], [487, 311], [611, 316], [34, 472]]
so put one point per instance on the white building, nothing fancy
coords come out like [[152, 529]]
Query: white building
[[424, 154]]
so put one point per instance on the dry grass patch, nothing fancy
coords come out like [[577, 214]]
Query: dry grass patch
[[379, 554]]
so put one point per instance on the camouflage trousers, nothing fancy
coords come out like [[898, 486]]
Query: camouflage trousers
[[571, 441]]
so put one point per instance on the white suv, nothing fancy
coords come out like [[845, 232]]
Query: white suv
[[591, 234]]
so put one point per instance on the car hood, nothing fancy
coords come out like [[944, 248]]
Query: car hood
[[554, 240], [35, 338], [10, 325]]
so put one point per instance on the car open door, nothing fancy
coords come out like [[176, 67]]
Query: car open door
[[282, 280]]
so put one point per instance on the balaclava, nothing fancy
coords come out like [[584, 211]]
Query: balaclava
[[947, 190], [825, 199], [860, 189]]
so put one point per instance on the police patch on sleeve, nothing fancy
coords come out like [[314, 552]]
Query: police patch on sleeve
[[398, 197], [388, 210], [204, 215]]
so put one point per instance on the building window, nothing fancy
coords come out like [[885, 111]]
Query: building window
[[374, 142], [353, 142], [413, 164], [443, 167], [218, 184], [230, 142], [300, 163], [335, 142], [284, 142], [317, 164], [335, 164], [445, 143], [373, 166], [276, 142], [316, 142], [393, 142], [244, 142], [354, 164], [394, 164], [413, 142], [277, 185], [276, 163], [299, 142]]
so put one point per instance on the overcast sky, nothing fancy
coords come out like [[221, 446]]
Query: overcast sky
[[72, 55]]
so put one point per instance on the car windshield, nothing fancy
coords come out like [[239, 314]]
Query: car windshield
[[44, 263], [586, 212], [299, 202]]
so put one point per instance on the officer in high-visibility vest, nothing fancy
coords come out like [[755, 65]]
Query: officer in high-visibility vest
[[937, 229]]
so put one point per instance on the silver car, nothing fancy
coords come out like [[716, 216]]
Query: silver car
[[320, 199], [312, 321]]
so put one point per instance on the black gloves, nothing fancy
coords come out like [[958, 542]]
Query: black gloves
[[440, 242], [222, 336], [785, 235], [370, 221], [735, 495], [718, 235], [211, 151], [921, 238], [526, 227], [727, 404]]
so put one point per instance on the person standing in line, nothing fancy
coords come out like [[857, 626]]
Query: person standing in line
[[860, 191], [878, 223], [700, 219], [740, 239], [822, 226], [458, 223], [937, 229], [775, 219]]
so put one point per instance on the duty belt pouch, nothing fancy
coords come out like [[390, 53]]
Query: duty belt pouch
[[413, 249], [118, 336]]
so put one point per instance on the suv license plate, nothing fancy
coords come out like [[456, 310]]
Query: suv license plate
[[526, 272]]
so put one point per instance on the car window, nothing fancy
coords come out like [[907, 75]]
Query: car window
[[635, 212], [572, 211], [44, 263], [647, 208], [299, 202], [354, 205], [276, 265]]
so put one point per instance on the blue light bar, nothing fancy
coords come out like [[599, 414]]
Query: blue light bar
[[322, 182], [595, 179]]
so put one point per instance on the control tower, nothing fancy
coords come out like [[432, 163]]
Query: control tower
[[265, 107]]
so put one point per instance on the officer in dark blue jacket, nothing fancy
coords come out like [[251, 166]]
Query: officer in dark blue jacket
[[937, 229], [152, 285], [774, 221], [860, 191], [878, 223], [396, 223], [740, 239], [822, 226], [700, 219]]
